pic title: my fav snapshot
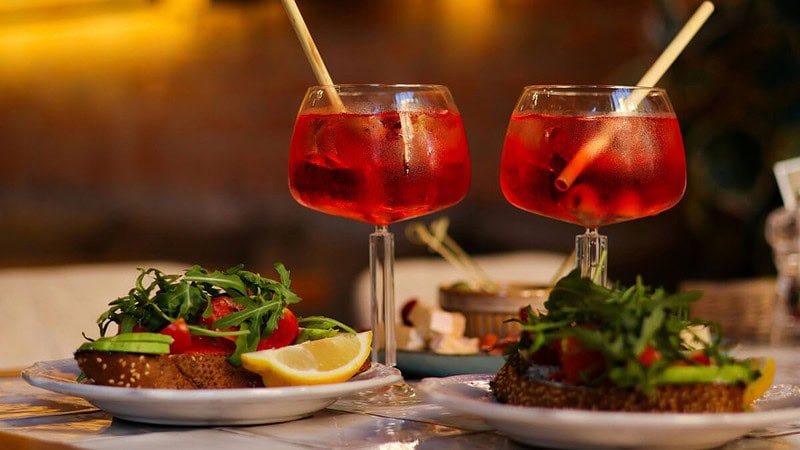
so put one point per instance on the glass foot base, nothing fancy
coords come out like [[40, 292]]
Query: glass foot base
[[396, 395]]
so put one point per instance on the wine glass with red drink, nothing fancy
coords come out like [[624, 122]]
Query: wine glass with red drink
[[593, 156], [379, 154]]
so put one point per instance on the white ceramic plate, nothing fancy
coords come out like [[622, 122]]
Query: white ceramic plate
[[603, 430], [204, 406]]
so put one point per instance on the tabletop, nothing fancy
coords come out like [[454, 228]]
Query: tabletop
[[33, 418]]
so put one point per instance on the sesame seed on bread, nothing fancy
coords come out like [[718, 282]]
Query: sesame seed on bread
[[182, 371]]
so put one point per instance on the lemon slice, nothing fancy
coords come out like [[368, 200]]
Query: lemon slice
[[324, 361], [761, 384]]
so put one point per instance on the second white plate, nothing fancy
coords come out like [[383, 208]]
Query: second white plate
[[570, 428]]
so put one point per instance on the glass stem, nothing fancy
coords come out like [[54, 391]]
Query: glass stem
[[591, 250], [381, 268]]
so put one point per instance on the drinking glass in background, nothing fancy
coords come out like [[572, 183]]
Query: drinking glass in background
[[782, 231], [379, 154], [593, 156]]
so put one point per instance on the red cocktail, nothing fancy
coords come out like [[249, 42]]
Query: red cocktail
[[379, 168], [379, 154], [593, 156], [642, 173]]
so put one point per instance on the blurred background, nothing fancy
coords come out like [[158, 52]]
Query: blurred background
[[159, 129]]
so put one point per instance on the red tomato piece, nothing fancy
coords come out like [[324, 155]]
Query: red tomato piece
[[571, 345], [700, 357], [579, 363], [179, 331], [221, 306], [209, 345], [548, 355], [488, 341], [649, 356], [285, 333]]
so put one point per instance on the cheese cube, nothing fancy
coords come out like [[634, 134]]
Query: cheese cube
[[446, 344], [696, 337], [429, 320], [408, 338]]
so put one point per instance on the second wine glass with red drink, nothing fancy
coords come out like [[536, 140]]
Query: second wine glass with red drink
[[379, 154], [593, 156]]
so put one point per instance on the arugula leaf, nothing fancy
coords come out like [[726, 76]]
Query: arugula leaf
[[240, 317], [242, 345], [313, 334], [650, 325], [319, 327], [284, 274], [228, 280], [324, 323]]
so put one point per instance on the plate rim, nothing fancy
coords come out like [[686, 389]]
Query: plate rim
[[431, 388], [35, 376]]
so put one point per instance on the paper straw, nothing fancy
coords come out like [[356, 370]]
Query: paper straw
[[677, 45], [595, 146], [310, 49]]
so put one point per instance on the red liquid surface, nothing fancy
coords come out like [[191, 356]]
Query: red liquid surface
[[640, 172], [380, 168]]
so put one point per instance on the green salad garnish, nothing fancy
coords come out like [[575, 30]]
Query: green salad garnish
[[159, 299], [629, 336]]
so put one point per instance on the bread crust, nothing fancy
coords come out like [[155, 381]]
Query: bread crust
[[512, 385], [182, 371]]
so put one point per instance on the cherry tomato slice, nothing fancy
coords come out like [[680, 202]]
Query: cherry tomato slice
[[285, 333], [649, 355], [700, 357], [577, 362], [221, 306], [179, 331], [208, 345]]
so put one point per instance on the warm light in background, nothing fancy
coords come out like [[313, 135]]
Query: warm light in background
[[468, 15], [63, 36], [466, 24], [32, 5]]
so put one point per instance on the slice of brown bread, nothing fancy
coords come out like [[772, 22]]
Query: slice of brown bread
[[184, 371], [512, 385]]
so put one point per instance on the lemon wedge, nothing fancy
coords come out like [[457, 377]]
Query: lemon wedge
[[761, 384], [324, 361]]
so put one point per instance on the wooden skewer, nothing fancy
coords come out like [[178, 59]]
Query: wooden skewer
[[566, 265], [312, 54], [437, 240], [589, 151], [439, 228]]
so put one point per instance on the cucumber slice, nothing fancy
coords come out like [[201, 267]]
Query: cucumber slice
[[141, 337], [728, 374], [158, 348], [153, 343]]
